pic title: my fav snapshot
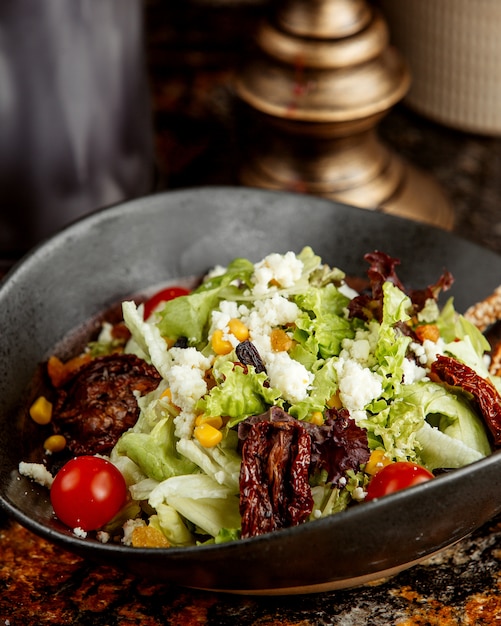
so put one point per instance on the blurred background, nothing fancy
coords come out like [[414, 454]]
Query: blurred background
[[109, 100]]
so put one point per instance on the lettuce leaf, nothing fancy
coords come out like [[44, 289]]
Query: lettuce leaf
[[155, 453], [392, 345], [325, 318], [240, 394], [189, 316]]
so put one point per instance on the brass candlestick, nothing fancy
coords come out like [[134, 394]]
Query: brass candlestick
[[322, 76]]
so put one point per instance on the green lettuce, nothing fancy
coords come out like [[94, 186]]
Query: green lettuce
[[392, 345], [189, 316], [240, 394], [323, 319], [155, 453]]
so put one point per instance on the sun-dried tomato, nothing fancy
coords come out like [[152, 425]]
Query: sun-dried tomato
[[98, 403], [274, 488], [486, 396]]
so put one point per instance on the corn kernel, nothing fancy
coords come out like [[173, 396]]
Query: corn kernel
[[317, 418], [239, 329], [167, 394], [213, 420], [54, 443], [41, 410], [219, 345], [280, 340], [208, 436], [376, 462], [334, 402]]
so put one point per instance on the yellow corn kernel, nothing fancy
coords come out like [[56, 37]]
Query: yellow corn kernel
[[149, 537], [334, 402], [376, 462], [41, 410], [208, 436], [54, 443], [317, 418], [167, 394], [239, 329], [280, 340], [213, 420], [220, 345]]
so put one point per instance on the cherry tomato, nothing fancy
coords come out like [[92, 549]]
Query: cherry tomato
[[163, 296], [88, 492], [396, 476]]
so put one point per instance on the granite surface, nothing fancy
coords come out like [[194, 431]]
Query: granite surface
[[192, 105]]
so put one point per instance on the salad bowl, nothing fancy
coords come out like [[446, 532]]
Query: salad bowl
[[49, 297]]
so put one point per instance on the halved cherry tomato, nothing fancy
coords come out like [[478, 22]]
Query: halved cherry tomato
[[396, 476], [169, 293], [87, 492]]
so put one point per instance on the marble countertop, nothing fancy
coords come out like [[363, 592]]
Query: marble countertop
[[41, 584]]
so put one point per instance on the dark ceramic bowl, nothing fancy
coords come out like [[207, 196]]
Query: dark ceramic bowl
[[122, 250]]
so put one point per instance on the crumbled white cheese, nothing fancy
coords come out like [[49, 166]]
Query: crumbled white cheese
[[186, 377], [359, 494], [291, 377], [412, 372], [283, 269], [269, 313], [357, 385], [103, 536], [80, 532], [129, 527], [433, 349], [37, 472], [362, 347]]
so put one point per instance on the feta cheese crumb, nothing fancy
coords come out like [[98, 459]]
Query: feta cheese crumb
[[80, 532], [359, 494], [288, 375], [412, 372], [282, 269], [103, 536], [129, 527], [37, 472], [187, 385], [357, 385]]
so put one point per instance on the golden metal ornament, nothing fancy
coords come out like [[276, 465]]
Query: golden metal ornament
[[320, 79]]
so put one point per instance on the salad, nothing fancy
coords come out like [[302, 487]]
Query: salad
[[270, 395]]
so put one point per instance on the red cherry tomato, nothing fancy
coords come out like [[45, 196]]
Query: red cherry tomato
[[396, 476], [163, 296], [88, 492]]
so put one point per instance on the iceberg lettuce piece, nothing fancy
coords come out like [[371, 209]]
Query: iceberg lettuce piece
[[142, 489], [155, 453], [439, 451], [194, 486], [221, 462], [211, 516], [171, 524], [451, 413], [147, 337], [201, 500]]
